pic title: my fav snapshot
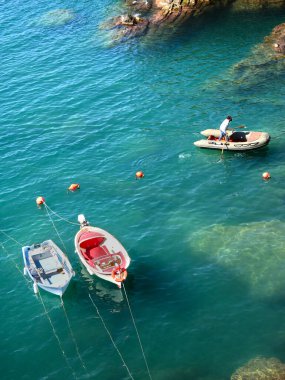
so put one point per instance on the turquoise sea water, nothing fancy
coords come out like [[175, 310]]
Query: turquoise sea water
[[205, 233]]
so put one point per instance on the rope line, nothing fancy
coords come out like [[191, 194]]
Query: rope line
[[48, 317], [60, 217], [5, 241], [55, 228], [11, 238], [139, 339], [16, 265], [73, 338], [112, 340], [57, 337]]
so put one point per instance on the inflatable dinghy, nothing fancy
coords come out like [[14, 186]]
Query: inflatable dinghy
[[238, 141]]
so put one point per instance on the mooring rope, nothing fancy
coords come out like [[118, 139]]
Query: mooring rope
[[56, 336], [139, 339], [11, 238], [73, 338], [14, 262], [55, 227], [60, 217], [112, 340], [46, 312]]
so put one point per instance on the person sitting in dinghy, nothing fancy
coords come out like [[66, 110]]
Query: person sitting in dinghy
[[223, 128]]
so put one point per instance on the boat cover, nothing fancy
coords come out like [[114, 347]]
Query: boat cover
[[90, 239]]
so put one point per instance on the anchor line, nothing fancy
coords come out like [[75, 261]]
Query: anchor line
[[139, 339], [55, 227], [11, 238], [14, 262], [73, 338], [112, 340], [60, 217], [48, 317], [57, 337]]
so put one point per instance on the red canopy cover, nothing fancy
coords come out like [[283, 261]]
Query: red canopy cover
[[90, 239]]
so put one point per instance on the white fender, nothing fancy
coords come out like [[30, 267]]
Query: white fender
[[35, 287]]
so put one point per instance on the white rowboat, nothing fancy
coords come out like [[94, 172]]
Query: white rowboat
[[48, 267], [101, 253]]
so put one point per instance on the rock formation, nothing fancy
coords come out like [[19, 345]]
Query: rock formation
[[246, 251], [277, 40], [161, 12], [266, 60], [127, 26], [57, 17], [261, 369]]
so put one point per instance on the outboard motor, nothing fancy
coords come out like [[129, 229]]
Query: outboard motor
[[83, 222]]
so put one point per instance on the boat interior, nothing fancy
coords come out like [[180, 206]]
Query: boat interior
[[98, 255], [46, 267], [234, 137]]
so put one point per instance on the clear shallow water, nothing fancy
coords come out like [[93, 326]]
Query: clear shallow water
[[201, 230]]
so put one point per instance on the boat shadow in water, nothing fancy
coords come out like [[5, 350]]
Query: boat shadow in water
[[100, 288]]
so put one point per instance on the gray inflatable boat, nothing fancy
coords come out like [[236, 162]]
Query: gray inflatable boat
[[237, 140]]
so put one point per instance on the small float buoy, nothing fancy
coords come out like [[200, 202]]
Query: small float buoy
[[35, 287], [40, 200], [74, 186], [266, 175], [139, 174]]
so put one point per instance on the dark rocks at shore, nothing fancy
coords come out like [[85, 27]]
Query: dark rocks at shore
[[127, 26], [157, 13], [266, 61]]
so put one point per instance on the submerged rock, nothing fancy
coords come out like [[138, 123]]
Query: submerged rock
[[57, 17], [266, 61], [277, 40], [164, 12], [256, 4], [254, 252], [261, 369]]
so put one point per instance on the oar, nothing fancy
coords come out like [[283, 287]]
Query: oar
[[238, 127]]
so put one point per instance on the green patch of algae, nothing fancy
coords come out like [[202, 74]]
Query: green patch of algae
[[261, 369], [255, 252], [57, 17]]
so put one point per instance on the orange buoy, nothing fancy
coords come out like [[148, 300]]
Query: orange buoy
[[74, 186], [119, 274], [40, 200], [139, 174], [266, 175]]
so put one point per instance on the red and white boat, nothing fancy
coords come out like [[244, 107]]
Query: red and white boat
[[101, 253]]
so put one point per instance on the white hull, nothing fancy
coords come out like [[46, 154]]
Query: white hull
[[56, 291], [112, 254], [238, 141], [48, 267]]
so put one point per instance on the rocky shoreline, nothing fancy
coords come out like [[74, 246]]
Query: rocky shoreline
[[142, 15]]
